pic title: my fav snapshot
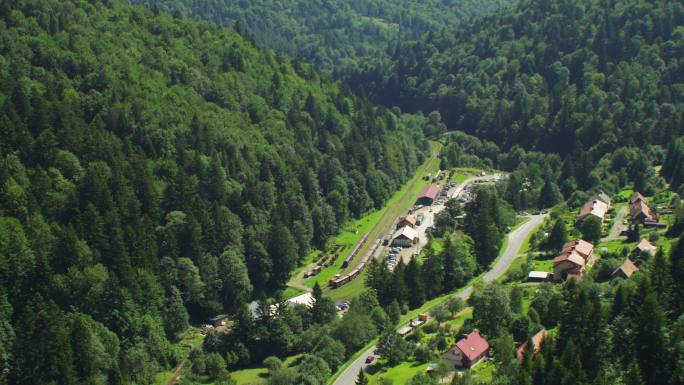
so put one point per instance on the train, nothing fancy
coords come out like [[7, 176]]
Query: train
[[356, 249], [341, 280]]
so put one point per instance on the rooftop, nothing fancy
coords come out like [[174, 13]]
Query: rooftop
[[430, 191], [473, 345]]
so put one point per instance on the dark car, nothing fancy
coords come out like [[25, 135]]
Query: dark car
[[369, 359]]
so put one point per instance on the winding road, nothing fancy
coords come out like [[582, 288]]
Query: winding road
[[516, 238]]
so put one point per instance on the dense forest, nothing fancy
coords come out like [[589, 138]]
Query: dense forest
[[564, 76], [333, 32], [156, 171]]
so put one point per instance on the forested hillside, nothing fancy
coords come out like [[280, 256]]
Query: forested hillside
[[332, 33], [566, 76], [155, 170]]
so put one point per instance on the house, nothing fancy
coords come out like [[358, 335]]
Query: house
[[573, 260], [584, 248], [536, 340], [468, 351], [625, 270], [603, 197], [428, 195], [568, 265], [405, 237], [405, 330], [219, 320], [640, 212], [538, 276], [595, 207], [305, 299], [636, 197], [407, 220], [644, 246]]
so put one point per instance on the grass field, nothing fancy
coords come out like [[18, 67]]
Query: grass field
[[399, 374]]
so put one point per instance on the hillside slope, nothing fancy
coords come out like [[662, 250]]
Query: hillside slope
[[560, 76], [155, 170], [332, 33]]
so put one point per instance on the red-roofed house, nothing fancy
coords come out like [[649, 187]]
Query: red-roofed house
[[428, 195], [468, 351]]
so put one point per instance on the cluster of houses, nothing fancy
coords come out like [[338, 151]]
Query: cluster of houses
[[640, 212], [628, 267], [473, 348]]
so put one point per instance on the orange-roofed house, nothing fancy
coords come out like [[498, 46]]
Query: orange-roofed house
[[407, 220], [468, 351], [537, 340]]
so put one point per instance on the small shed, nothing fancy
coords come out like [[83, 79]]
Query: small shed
[[538, 276], [626, 269], [219, 320], [405, 330]]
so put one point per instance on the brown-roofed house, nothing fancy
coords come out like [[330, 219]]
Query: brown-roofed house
[[584, 248], [537, 340], [637, 197], [468, 351], [640, 212], [626, 269], [428, 195], [595, 207], [644, 246], [407, 220], [572, 260]]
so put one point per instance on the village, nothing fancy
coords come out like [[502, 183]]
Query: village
[[455, 350]]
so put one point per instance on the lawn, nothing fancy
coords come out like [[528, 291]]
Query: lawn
[[483, 372], [399, 374], [259, 375], [461, 317]]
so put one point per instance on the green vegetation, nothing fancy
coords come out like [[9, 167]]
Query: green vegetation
[[336, 32], [155, 172]]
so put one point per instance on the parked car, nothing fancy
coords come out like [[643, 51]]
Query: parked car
[[369, 359]]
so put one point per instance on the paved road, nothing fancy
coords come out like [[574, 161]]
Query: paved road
[[617, 225], [515, 241]]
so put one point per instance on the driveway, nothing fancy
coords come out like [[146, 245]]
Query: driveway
[[617, 225], [515, 241]]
